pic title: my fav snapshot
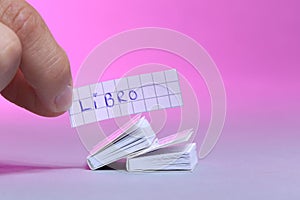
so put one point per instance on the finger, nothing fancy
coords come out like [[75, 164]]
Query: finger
[[10, 55], [44, 65]]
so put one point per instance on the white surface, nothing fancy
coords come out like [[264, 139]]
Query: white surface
[[245, 177]]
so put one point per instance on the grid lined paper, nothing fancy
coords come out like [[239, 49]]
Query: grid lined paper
[[125, 96]]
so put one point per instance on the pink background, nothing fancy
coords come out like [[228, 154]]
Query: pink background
[[256, 46]]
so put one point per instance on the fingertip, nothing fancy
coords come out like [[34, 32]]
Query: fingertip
[[63, 100]]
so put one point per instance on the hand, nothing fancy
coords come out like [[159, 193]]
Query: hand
[[34, 69]]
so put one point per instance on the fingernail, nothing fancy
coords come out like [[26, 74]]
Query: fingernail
[[64, 100]]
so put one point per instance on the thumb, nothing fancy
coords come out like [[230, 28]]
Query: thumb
[[10, 55]]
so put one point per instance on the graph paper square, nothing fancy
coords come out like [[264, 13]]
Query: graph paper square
[[114, 111], [161, 90], [151, 104], [176, 100], [77, 120], [75, 108], [101, 114], [125, 96], [126, 109], [159, 77], [146, 79], [139, 106], [164, 102], [174, 87], [134, 82], [109, 86], [171, 75], [89, 116], [149, 91], [122, 84], [97, 89], [84, 92]]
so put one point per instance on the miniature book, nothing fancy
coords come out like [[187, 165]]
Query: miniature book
[[166, 154], [137, 142], [179, 157], [131, 138]]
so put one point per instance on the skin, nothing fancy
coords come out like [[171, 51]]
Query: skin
[[34, 69]]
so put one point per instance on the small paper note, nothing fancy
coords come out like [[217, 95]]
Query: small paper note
[[125, 96]]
